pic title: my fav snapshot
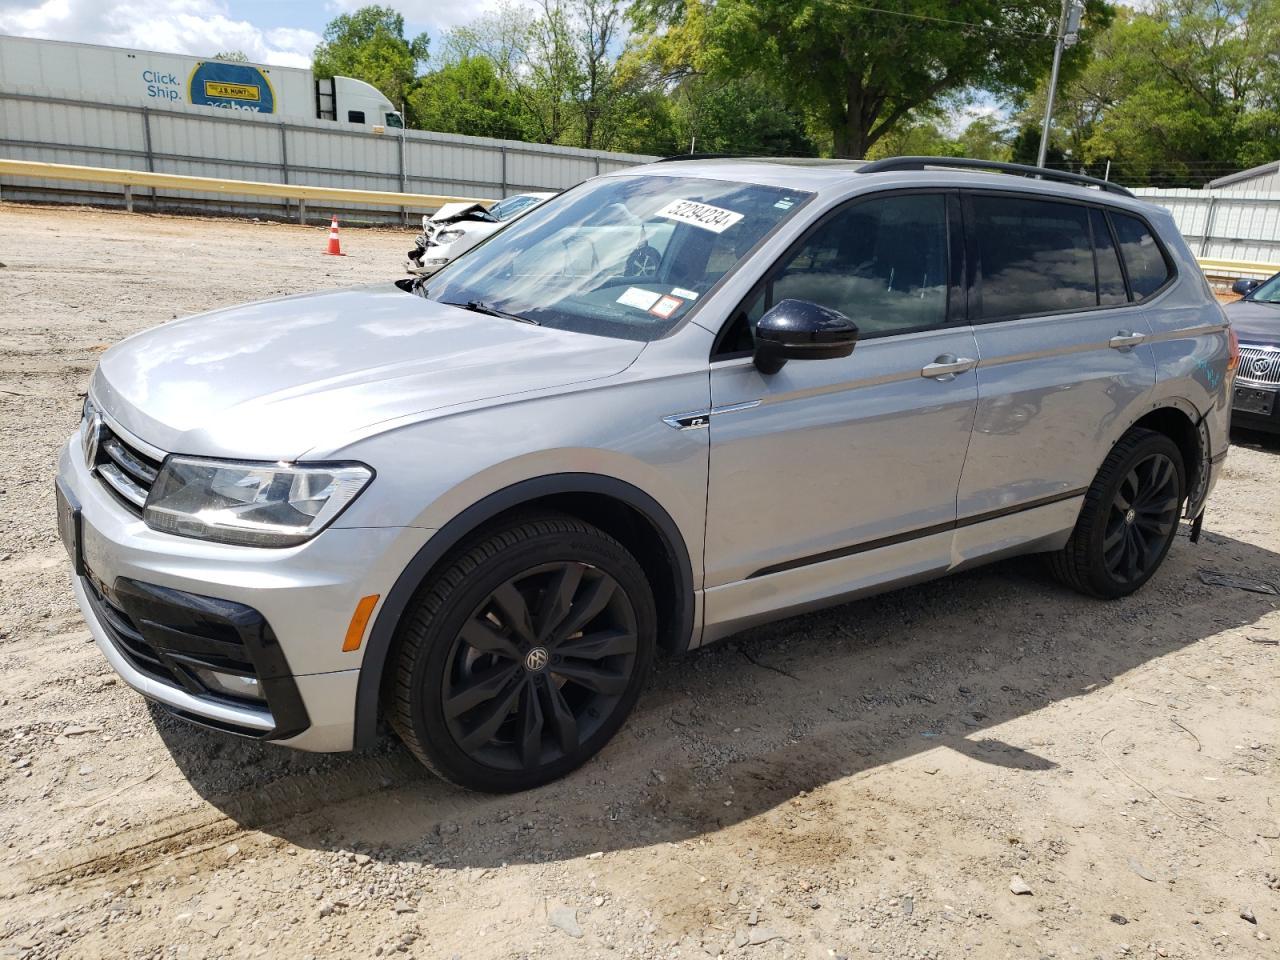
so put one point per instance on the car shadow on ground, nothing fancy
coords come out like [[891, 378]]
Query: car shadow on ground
[[734, 730], [1255, 439]]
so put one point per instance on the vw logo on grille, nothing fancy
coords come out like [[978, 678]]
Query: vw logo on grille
[[1261, 365], [536, 660]]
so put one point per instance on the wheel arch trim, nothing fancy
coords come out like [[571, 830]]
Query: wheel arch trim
[[382, 633], [1197, 472]]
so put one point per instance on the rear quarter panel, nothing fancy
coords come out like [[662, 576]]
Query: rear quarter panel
[[1190, 341]]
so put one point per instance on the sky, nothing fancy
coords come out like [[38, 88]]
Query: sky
[[279, 32]]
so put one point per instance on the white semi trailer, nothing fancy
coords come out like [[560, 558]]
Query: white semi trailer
[[173, 81]]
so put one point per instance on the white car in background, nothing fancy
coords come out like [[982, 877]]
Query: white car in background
[[457, 227]]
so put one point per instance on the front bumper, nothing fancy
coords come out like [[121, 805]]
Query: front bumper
[[297, 601], [1245, 396]]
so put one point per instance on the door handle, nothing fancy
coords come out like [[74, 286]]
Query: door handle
[[947, 366], [1125, 339]]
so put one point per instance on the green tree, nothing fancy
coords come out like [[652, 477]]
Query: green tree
[[467, 96], [533, 54], [234, 56], [370, 45], [861, 69], [1025, 148], [1178, 95], [743, 116], [983, 138]]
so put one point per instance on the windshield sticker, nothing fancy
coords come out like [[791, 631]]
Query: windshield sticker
[[701, 215], [640, 299], [683, 293], [666, 306], [785, 204]]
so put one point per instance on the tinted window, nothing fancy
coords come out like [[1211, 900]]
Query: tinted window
[[1035, 256], [1110, 279], [882, 263], [355, 116], [1147, 268]]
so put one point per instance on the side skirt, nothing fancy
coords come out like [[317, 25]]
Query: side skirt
[[798, 589]]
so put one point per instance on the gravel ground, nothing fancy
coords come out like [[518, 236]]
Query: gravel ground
[[987, 766]]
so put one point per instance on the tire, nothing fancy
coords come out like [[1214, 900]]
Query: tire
[[1129, 518], [523, 655]]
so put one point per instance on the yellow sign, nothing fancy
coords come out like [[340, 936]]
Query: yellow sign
[[231, 91]]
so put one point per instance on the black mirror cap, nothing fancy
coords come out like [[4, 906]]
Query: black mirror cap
[[802, 330], [1245, 286]]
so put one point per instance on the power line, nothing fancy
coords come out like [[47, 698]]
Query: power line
[[989, 27]]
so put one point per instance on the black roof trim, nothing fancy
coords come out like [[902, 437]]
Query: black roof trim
[[965, 163]]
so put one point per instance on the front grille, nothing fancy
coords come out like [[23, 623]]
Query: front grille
[[1259, 365], [126, 471]]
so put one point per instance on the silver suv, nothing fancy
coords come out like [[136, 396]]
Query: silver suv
[[670, 403]]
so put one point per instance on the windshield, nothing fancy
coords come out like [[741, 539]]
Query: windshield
[[1269, 292], [508, 208], [621, 256]]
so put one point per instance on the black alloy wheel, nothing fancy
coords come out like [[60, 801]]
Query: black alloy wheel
[[539, 665], [523, 654], [1129, 518], [1143, 516]]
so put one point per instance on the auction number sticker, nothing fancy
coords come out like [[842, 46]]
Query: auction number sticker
[[704, 215]]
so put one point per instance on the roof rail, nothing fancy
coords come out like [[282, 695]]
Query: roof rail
[[676, 158], [965, 163]]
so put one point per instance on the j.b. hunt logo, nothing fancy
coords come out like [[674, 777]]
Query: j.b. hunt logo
[[233, 86]]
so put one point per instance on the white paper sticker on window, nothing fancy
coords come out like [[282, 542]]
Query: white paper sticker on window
[[640, 299], [701, 215], [684, 294]]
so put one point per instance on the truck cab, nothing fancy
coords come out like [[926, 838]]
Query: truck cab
[[348, 100]]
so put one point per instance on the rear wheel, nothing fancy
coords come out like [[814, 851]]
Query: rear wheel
[[1129, 518], [524, 655]]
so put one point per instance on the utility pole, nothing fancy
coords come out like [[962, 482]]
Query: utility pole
[[1068, 34]]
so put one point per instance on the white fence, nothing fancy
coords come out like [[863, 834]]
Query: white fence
[[1233, 223], [205, 141]]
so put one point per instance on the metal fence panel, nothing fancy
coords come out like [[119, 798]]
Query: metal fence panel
[[207, 142], [1232, 223]]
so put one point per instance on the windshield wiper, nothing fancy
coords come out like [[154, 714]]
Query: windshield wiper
[[479, 306]]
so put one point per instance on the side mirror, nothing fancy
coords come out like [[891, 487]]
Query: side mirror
[[800, 330], [1245, 286]]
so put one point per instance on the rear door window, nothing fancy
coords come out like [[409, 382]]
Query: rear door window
[[1110, 278], [1035, 257], [1148, 270]]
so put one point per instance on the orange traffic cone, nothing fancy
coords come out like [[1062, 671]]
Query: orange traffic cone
[[335, 248]]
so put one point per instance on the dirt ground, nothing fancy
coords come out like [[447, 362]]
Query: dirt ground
[[870, 781]]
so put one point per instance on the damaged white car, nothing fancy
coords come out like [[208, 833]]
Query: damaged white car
[[457, 227]]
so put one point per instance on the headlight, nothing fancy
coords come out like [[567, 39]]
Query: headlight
[[253, 504], [448, 236]]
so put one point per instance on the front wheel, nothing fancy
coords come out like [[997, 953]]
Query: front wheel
[[1129, 518], [521, 658]]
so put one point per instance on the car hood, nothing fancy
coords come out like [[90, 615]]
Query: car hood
[[278, 378], [1255, 322], [458, 211]]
